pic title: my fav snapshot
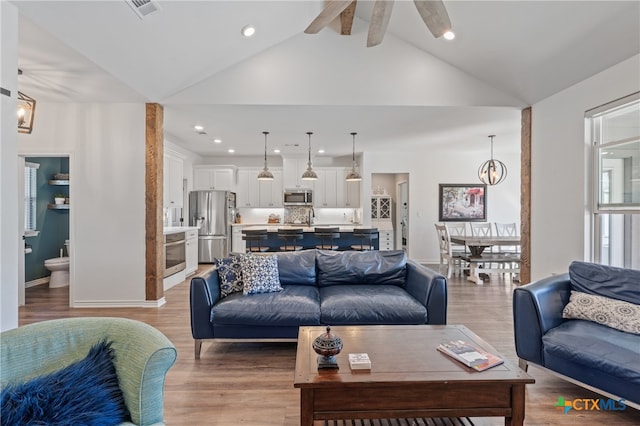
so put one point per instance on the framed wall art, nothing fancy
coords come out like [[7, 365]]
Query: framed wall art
[[461, 202]]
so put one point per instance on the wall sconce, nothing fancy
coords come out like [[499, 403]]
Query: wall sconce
[[26, 110]]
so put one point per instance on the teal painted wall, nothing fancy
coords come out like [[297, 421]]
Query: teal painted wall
[[52, 224]]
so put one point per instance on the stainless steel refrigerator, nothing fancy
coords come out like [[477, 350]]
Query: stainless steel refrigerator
[[213, 212]]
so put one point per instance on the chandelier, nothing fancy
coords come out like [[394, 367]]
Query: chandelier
[[492, 171]]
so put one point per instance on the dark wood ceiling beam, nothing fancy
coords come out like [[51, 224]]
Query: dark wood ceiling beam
[[346, 18]]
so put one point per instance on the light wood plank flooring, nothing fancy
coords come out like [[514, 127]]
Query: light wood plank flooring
[[252, 383]]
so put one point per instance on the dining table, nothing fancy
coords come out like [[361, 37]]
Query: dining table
[[477, 258]]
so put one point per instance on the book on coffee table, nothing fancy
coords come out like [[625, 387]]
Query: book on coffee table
[[470, 355], [359, 361]]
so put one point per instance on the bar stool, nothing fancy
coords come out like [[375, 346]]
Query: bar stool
[[253, 239], [365, 235], [290, 236], [326, 237]]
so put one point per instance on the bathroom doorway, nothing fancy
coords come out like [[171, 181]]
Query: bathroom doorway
[[45, 222]]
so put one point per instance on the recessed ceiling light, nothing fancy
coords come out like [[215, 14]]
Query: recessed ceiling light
[[277, 151], [198, 128], [321, 151], [231, 151], [248, 30], [217, 141], [449, 35]]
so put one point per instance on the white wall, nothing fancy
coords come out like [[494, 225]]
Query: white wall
[[560, 162], [106, 145], [427, 168], [9, 236]]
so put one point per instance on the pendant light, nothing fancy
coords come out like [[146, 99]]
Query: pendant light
[[353, 175], [492, 172], [265, 174], [309, 174]]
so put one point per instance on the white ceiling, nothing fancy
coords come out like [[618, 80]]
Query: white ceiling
[[191, 58]]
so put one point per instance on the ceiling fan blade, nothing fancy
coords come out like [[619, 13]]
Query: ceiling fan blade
[[330, 12], [435, 15], [379, 21], [346, 18]]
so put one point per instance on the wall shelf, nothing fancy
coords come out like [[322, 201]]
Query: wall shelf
[[59, 182], [58, 206]]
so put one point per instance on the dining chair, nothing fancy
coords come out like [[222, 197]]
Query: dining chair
[[454, 260], [364, 235], [508, 230], [290, 236], [481, 229], [254, 238], [457, 229], [326, 237]]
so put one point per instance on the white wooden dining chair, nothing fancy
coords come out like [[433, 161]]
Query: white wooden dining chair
[[457, 229], [481, 229], [454, 260], [508, 230]]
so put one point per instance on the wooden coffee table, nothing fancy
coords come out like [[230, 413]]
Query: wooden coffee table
[[409, 377]]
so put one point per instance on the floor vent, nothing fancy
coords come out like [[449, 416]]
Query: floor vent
[[143, 8]]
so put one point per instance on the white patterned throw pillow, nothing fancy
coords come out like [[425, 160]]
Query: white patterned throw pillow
[[260, 274], [613, 313]]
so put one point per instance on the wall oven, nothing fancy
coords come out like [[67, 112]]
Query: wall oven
[[174, 253], [298, 197]]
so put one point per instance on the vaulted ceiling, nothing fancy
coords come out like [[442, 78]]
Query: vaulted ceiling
[[191, 57]]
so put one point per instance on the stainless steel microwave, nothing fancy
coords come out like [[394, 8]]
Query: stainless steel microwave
[[298, 197]]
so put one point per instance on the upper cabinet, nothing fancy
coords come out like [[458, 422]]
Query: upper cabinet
[[210, 177], [351, 193], [293, 168], [270, 191], [172, 181], [328, 190], [381, 207], [247, 194]]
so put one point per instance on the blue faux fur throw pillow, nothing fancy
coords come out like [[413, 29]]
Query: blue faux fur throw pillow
[[83, 393]]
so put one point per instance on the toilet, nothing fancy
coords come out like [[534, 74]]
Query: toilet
[[59, 267]]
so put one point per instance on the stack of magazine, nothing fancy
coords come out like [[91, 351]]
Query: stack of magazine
[[470, 354]]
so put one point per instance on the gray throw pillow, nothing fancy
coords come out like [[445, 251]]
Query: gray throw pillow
[[613, 313]]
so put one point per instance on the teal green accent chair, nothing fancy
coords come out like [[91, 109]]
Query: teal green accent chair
[[143, 355]]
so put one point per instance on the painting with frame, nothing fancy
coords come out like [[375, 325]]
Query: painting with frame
[[461, 202]]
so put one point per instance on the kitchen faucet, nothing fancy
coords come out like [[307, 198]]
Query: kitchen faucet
[[312, 215]]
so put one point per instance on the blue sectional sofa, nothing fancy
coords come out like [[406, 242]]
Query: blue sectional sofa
[[321, 288], [584, 326]]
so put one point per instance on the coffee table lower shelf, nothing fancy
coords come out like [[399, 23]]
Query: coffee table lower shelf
[[409, 378]]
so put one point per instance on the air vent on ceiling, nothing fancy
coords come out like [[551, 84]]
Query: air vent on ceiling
[[143, 8]]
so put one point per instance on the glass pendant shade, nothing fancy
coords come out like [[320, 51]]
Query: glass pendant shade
[[309, 174], [353, 175], [492, 171], [265, 174]]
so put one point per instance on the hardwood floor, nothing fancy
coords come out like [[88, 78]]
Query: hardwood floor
[[252, 383]]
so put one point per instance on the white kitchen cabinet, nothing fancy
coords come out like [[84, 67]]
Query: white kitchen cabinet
[[381, 207], [350, 193], [172, 181], [191, 249], [327, 188], [385, 239], [219, 178], [248, 189], [271, 191], [292, 170], [238, 245]]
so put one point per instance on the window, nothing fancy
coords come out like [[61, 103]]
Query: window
[[615, 132], [30, 195]]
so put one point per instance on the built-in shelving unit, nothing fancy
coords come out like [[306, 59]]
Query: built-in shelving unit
[[59, 182], [58, 206]]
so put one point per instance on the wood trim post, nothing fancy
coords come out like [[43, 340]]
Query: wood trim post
[[154, 144], [525, 197]]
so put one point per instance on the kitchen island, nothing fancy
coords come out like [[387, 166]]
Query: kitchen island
[[309, 240]]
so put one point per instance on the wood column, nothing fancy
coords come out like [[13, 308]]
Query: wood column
[[154, 144], [525, 197]]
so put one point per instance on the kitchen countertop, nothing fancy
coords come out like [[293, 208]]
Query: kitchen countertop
[[176, 229], [274, 228]]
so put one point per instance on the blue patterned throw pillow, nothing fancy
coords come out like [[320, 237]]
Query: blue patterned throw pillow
[[83, 393], [260, 274], [230, 274]]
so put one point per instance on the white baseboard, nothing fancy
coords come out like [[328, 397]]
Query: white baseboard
[[39, 281], [119, 303]]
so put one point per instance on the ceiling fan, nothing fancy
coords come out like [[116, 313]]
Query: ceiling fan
[[433, 14]]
